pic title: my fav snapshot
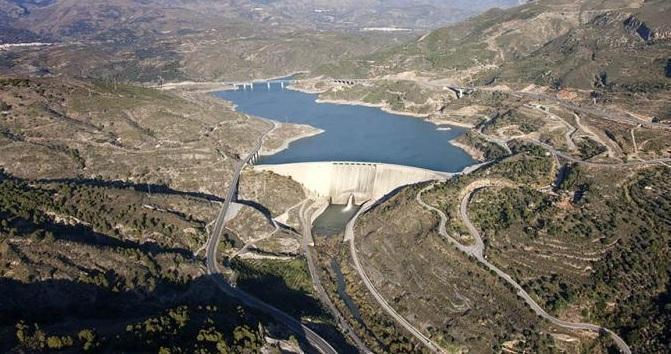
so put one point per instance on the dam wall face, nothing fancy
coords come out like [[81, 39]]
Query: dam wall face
[[340, 180], [356, 180]]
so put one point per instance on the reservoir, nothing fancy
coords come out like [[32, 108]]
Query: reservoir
[[351, 133]]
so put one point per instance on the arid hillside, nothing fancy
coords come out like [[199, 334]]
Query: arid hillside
[[561, 44]]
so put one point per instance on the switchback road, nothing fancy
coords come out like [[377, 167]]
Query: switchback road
[[478, 250]]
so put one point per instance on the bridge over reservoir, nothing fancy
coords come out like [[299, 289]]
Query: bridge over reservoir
[[363, 180]]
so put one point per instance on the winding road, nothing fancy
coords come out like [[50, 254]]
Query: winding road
[[477, 251], [614, 116], [349, 236], [213, 267], [570, 158]]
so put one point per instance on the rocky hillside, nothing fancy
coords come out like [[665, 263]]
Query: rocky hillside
[[107, 192], [613, 49], [582, 44]]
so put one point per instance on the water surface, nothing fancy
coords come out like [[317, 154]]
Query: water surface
[[334, 219], [351, 133], [342, 291]]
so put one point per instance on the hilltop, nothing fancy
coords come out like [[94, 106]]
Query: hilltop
[[612, 53]]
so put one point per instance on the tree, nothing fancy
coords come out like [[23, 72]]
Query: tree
[[88, 339], [54, 342]]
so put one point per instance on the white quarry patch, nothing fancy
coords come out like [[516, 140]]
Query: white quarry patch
[[385, 29], [7, 46], [365, 181]]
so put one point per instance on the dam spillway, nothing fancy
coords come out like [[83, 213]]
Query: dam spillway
[[364, 181]]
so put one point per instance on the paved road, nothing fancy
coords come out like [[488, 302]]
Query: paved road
[[477, 252], [504, 143], [213, 269], [614, 116], [556, 152], [306, 216], [349, 236]]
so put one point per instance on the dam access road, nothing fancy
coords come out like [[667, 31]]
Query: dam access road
[[294, 325], [477, 251]]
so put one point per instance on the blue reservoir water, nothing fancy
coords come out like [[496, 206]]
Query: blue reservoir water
[[351, 133]]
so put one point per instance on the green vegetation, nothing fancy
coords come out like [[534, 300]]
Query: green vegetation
[[530, 165], [4, 107], [69, 249], [490, 151], [223, 328], [379, 331], [518, 119], [285, 284], [34, 210], [105, 198], [589, 148], [616, 271], [424, 277]]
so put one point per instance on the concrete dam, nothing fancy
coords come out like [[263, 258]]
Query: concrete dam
[[364, 181]]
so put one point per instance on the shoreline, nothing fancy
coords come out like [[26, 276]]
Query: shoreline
[[383, 107], [313, 131], [452, 123], [473, 152], [264, 151], [303, 90]]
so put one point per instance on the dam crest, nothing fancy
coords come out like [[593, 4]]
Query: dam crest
[[343, 182]]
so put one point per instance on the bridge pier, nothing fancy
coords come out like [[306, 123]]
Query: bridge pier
[[254, 159]]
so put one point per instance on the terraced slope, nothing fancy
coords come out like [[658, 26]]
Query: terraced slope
[[560, 43], [576, 249]]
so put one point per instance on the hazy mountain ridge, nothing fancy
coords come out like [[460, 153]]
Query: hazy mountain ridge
[[131, 40], [76, 19]]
